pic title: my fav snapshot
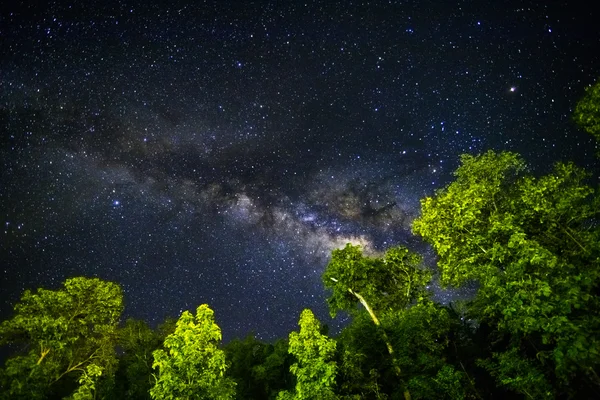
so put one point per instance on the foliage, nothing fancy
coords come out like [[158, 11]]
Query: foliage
[[389, 282], [519, 374], [587, 111], [192, 366], [446, 384], [134, 375], [365, 368], [87, 383], [533, 245], [68, 336], [420, 338], [242, 356], [275, 371], [314, 369], [457, 220], [380, 284], [260, 370]]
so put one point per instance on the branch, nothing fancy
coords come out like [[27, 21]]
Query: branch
[[75, 367], [476, 244], [366, 305], [44, 353], [575, 240]]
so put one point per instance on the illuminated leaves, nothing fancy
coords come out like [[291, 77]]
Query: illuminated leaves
[[587, 111], [314, 370], [388, 282], [531, 243], [192, 366], [70, 334]]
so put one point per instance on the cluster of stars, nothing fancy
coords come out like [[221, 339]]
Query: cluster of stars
[[218, 152]]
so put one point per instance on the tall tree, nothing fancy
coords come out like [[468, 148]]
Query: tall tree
[[67, 339], [192, 366], [380, 284], [315, 369], [533, 245]]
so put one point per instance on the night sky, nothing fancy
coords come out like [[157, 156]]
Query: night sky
[[217, 152]]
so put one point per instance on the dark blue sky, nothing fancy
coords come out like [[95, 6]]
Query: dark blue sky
[[216, 152]]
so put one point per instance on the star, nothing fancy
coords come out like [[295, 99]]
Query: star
[[270, 142]]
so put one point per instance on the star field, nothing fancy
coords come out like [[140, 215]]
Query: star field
[[217, 152]]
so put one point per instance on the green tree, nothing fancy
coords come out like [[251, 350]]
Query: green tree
[[315, 369], [365, 368], [192, 366], [274, 373], [533, 245], [260, 370], [242, 357], [420, 337], [67, 337], [134, 375], [87, 383], [380, 284], [516, 371], [587, 111]]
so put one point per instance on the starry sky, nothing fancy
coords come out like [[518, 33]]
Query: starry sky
[[216, 152]]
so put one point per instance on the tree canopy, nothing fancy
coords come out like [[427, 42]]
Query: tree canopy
[[389, 282], [314, 368], [67, 336], [587, 111], [192, 366], [533, 246]]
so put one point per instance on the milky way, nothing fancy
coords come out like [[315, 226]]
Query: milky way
[[217, 153]]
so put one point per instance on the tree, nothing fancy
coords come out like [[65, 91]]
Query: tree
[[379, 284], [192, 366], [420, 337], [134, 375], [533, 246], [67, 337], [587, 111], [516, 371], [314, 370], [365, 368], [274, 373], [260, 370]]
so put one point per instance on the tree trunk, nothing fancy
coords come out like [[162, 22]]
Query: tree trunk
[[385, 338]]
